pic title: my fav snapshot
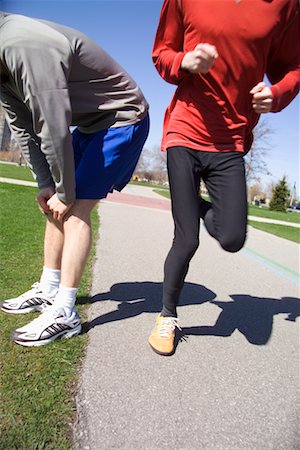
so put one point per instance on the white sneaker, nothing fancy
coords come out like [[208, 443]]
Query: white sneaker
[[50, 325], [32, 300]]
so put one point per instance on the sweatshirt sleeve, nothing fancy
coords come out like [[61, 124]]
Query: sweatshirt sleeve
[[52, 118], [22, 128], [168, 51], [284, 66], [39, 62]]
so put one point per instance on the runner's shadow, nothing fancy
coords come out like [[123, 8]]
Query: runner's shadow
[[143, 297], [252, 316]]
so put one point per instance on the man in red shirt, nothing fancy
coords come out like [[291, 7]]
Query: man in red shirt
[[217, 53]]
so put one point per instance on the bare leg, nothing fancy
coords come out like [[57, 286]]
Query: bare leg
[[77, 242], [53, 243]]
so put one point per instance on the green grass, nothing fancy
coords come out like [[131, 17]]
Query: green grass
[[283, 231], [14, 171], [37, 385], [164, 192], [148, 184], [288, 216]]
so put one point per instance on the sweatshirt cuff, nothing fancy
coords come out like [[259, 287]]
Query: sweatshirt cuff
[[66, 199], [176, 71], [276, 98], [45, 184]]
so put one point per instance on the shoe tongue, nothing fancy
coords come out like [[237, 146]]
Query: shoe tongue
[[58, 312], [64, 313], [52, 312]]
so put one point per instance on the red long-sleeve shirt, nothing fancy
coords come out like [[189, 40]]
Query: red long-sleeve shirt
[[213, 112]]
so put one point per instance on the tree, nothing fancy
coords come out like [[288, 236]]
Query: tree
[[254, 191], [152, 165], [152, 162], [280, 196], [255, 163], [270, 188]]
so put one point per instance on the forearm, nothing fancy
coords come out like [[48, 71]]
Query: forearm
[[47, 146], [52, 127], [285, 90], [63, 171], [168, 49], [168, 65], [19, 120], [37, 163], [284, 67]]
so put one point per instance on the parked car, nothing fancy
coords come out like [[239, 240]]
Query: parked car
[[295, 208]]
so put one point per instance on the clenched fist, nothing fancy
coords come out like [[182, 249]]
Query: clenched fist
[[201, 59], [262, 98]]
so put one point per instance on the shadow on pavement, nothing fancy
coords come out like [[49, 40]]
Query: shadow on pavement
[[139, 297], [252, 316]]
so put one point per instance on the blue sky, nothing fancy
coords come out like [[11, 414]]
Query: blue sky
[[126, 29]]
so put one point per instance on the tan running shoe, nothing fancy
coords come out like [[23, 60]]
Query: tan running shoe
[[163, 335]]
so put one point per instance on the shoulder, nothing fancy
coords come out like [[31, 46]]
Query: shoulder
[[17, 30]]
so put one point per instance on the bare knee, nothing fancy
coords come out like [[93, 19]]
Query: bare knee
[[81, 211]]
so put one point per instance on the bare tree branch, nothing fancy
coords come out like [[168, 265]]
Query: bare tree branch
[[255, 163]]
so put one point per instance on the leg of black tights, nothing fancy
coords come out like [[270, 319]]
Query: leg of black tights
[[226, 219], [184, 179]]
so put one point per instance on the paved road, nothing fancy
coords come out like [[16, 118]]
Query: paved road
[[233, 382]]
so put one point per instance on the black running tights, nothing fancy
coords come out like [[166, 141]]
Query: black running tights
[[225, 218]]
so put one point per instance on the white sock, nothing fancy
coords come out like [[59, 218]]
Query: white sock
[[65, 299], [49, 281]]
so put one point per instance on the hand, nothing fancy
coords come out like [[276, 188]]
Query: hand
[[262, 98], [42, 198], [201, 59], [58, 208]]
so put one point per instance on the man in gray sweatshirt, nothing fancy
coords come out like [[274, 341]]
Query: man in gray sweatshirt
[[54, 77]]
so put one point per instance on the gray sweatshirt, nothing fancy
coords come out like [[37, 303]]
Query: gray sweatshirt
[[59, 78]]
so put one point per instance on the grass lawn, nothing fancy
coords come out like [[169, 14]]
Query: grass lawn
[[37, 385], [148, 184], [288, 216], [14, 171], [290, 233], [164, 192]]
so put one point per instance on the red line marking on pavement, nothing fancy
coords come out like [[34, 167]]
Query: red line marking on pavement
[[139, 200]]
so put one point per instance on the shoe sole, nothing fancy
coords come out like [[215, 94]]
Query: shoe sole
[[29, 309], [161, 353], [64, 335], [20, 311]]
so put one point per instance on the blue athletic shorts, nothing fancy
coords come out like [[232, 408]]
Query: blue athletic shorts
[[106, 160]]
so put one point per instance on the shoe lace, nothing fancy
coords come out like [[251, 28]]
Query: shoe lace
[[35, 288], [44, 307], [168, 325], [43, 319]]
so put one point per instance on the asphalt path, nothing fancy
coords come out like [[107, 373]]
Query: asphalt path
[[233, 382]]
